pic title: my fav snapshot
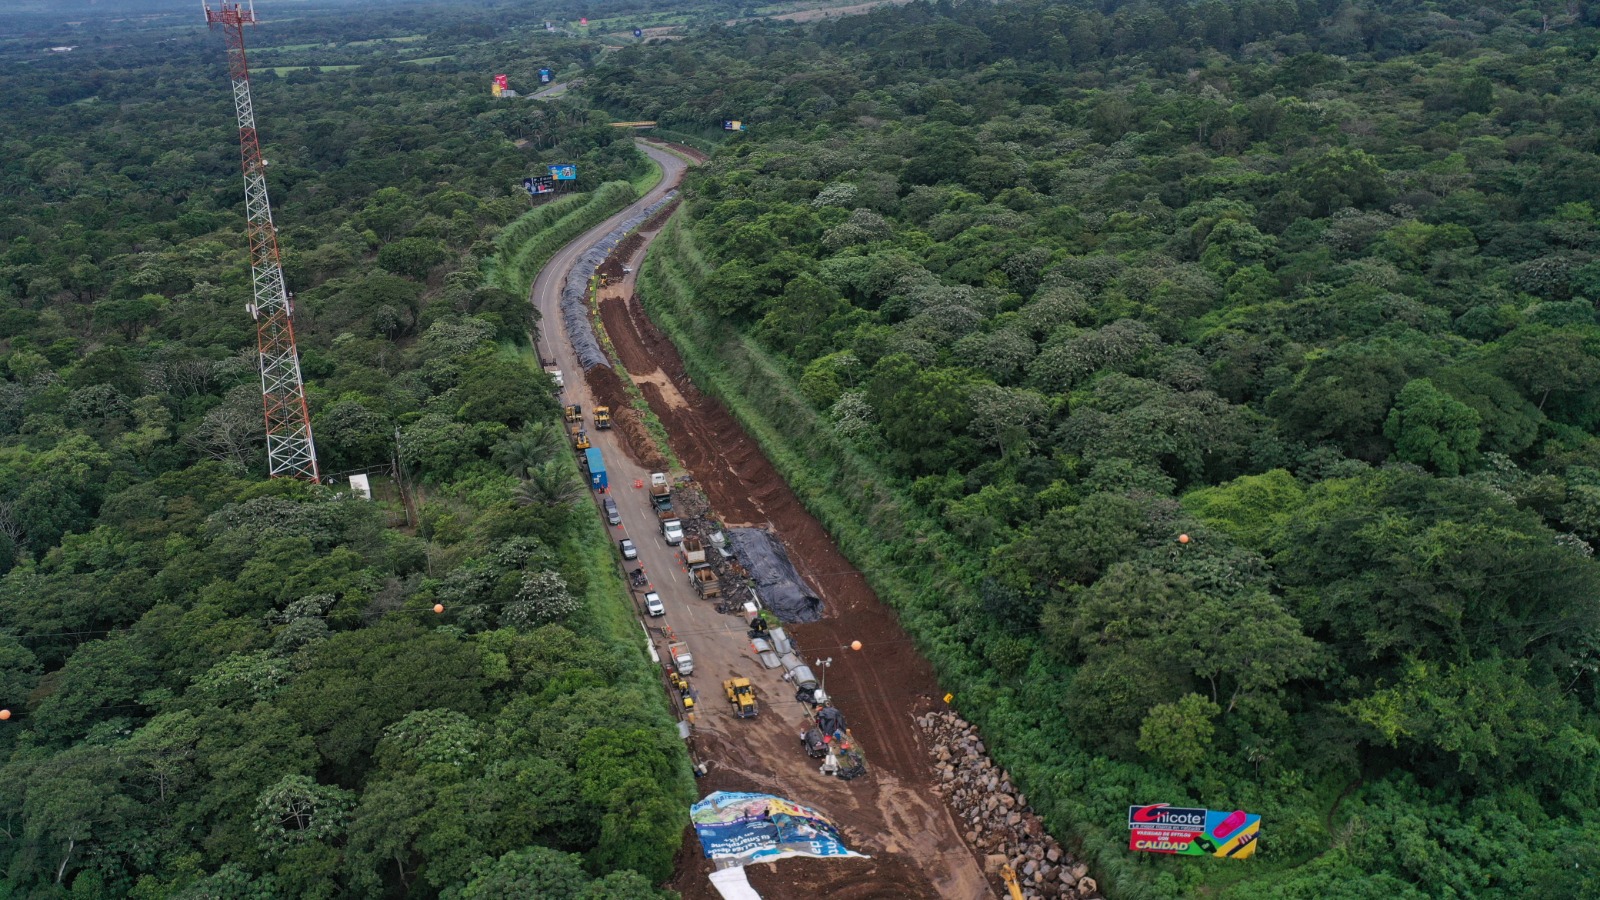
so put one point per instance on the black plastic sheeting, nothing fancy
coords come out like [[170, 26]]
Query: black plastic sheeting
[[777, 582], [574, 294]]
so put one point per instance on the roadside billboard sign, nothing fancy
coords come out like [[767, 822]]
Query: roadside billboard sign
[[564, 172], [1191, 831]]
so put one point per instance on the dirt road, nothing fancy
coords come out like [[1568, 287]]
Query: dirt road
[[892, 813]]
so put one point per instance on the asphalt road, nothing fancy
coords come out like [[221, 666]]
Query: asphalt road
[[764, 754]]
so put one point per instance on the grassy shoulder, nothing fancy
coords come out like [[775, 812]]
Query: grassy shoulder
[[523, 247]]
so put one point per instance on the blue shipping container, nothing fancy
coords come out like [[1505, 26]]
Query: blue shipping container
[[597, 468]]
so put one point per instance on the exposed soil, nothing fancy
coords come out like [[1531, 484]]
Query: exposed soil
[[607, 389], [893, 813]]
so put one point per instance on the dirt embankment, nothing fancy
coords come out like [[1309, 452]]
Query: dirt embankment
[[882, 688]]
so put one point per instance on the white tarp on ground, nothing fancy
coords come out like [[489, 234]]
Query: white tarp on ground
[[575, 292], [732, 884]]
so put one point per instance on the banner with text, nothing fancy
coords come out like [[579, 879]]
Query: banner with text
[[1191, 831]]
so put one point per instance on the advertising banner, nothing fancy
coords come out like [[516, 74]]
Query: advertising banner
[[545, 75], [1190, 831], [564, 172], [764, 828], [539, 184], [732, 125]]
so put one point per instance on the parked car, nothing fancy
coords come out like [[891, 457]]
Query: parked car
[[629, 551], [613, 514], [653, 605]]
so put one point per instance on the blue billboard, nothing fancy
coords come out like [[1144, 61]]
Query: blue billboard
[[564, 172], [545, 75]]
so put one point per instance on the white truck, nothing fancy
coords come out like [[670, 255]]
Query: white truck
[[678, 652], [660, 491], [671, 529]]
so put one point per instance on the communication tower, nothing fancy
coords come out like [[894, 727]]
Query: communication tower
[[290, 450]]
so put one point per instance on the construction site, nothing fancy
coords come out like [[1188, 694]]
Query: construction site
[[789, 676]]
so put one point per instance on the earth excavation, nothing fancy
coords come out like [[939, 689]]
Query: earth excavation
[[785, 706]]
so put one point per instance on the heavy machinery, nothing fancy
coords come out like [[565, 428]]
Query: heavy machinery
[[660, 491], [1009, 876], [685, 693], [706, 582], [602, 417], [742, 696], [574, 413], [671, 529], [694, 551], [678, 652], [580, 438]]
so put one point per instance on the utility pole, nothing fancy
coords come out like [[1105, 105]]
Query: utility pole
[[822, 677], [290, 450]]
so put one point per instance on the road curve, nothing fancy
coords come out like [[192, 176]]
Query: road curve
[[546, 292]]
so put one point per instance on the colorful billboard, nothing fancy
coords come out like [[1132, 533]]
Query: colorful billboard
[[764, 828], [545, 75], [732, 125], [539, 184], [564, 172], [1191, 831]]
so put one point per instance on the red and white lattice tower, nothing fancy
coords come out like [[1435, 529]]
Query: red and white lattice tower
[[290, 450]]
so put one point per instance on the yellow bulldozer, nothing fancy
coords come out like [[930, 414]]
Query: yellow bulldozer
[[742, 696]]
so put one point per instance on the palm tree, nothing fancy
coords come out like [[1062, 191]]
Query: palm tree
[[528, 449], [549, 485]]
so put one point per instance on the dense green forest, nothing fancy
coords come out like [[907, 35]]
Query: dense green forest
[[224, 686], [1023, 292]]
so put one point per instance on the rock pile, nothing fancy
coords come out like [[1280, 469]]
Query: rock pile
[[995, 815]]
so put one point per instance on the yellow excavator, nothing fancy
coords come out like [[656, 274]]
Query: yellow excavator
[[1009, 876]]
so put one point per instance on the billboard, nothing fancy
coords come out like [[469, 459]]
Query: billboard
[[545, 75], [638, 32], [732, 125], [764, 828], [584, 20], [1191, 831], [564, 172], [539, 184]]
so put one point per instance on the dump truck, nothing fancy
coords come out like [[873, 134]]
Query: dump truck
[[574, 413], [602, 417], [694, 552], [671, 529], [597, 468], [678, 652], [660, 491], [742, 696], [706, 582]]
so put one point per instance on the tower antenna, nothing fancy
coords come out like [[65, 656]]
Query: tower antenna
[[290, 450]]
